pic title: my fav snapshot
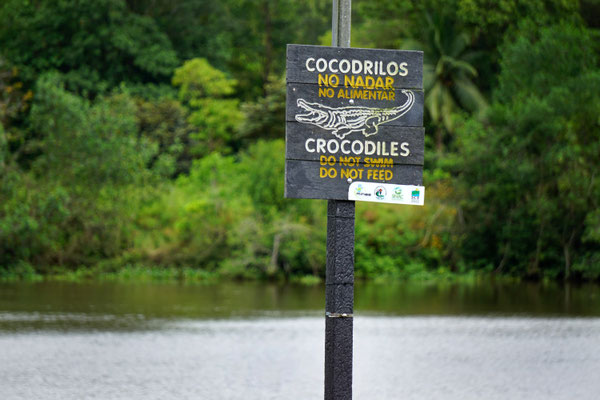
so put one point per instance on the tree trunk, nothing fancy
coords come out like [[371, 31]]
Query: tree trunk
[[534, 268], [506, 252], [272, 269], [567, 254]]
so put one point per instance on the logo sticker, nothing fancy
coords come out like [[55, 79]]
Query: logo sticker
[[359, 190], [415, 196], [380, 192], [387, 193], [397, 195]]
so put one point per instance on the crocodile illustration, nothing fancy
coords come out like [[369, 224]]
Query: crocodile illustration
[[344, 120]]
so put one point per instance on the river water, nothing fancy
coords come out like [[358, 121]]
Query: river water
[[260, 341]]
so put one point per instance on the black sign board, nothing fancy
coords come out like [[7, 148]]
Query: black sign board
[[354, 122]]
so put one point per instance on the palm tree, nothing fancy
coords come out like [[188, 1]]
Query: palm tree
[[448, 74]]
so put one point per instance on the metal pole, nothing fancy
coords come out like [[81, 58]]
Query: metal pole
[[339, 281], [340, 23]]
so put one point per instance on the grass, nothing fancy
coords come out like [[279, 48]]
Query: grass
[[127, 273], [112, 272]]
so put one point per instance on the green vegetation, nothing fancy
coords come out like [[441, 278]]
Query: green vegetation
[[144, 140]]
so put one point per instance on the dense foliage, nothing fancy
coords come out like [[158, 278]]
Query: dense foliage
[[137, 133]]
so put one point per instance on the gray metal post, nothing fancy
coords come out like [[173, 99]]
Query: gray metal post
[[339, 294], [340, 23]]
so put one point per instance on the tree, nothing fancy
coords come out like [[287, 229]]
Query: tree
[[527, 180], [494, 21], [450, 72], [76, 204], [262, 29], [449, 75], [165, 122], [215, 114], [265, 118], [95, 44], [196, 28]]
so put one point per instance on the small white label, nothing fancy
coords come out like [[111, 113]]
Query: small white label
[[387, 193]]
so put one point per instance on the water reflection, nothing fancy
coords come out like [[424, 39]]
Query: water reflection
[[68, 306]]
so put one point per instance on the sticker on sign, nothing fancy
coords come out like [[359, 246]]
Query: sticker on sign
[[387, 193]]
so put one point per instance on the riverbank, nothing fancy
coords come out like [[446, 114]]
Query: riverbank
[[145, 273]]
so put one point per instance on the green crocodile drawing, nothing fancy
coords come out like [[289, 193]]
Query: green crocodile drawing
[[344, 120]]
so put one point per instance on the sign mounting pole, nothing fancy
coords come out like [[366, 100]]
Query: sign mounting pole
[[339, 281], [354, 132]]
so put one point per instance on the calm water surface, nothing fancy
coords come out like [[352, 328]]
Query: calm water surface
[[257, 341]]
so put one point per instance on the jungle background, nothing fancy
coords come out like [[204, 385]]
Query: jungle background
[[146, 138]]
